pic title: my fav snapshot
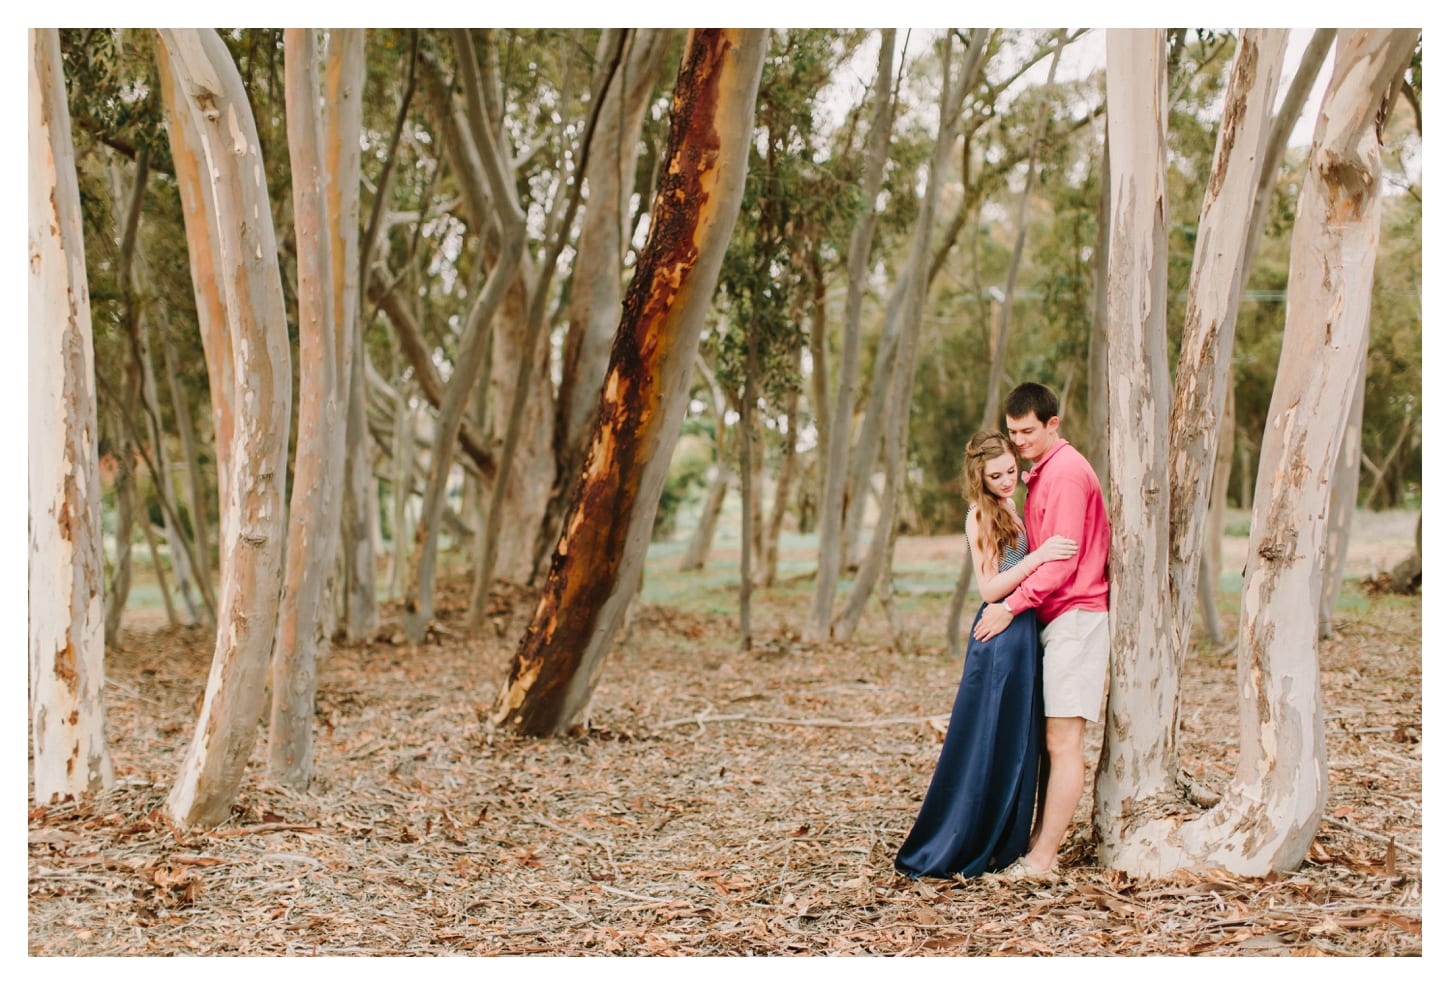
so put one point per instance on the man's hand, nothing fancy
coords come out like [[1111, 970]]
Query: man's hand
[[995, 618]]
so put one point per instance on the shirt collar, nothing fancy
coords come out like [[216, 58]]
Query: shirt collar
[[1037, 467]]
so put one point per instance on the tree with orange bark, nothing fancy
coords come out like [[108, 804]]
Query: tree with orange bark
[[596, 566]]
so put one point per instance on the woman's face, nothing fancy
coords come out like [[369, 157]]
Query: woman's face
[[999, 475]]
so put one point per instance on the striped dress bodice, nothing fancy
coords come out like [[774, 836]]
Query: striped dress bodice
[[1013, 555]]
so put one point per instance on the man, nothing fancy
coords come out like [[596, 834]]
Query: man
[[1071, 599]]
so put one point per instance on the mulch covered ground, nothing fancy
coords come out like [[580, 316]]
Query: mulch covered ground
[[719, 804]]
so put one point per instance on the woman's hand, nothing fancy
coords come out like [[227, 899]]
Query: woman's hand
[[1055, 548]]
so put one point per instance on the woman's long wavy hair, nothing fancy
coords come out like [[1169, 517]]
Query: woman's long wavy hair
[[997, 527]]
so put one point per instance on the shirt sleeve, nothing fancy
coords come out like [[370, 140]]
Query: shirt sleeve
[[1065, 512]]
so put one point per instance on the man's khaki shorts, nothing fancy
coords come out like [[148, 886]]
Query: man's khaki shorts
[[1075, 665]]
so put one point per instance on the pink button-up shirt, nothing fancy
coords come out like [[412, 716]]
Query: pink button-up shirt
[[1064, 497]]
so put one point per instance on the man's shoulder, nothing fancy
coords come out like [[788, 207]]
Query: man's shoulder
[[1066, 460]]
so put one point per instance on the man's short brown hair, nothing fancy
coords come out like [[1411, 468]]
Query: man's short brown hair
[[1031, 398]]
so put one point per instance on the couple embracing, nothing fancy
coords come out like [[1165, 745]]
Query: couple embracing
[[1010, 774]]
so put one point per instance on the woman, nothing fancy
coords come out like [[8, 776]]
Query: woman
[[977, 814]]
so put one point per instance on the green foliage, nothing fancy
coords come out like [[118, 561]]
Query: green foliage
[[788, 201]]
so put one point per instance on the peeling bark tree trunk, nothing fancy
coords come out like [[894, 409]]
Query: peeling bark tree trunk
[[1285, 120], [344, 74], [597, 564], [359, 507], [67, 640], [1173, 464], [322, 174], [1267, 817], [1142, 694], [1215, 285], [215, 148], [836, 444]]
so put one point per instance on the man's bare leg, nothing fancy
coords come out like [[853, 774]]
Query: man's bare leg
[[1064, 790]]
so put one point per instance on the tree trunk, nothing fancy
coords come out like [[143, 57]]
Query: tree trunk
[[837, 438], [196, 488], [66, 617], [1215, 285], [784, 483], [119, 589], [1004, 312], [597, 564], [1343, 494], [141, 390], [867, 449], [321, 177], [700, 541], [1097, 371], [1139, 701], [521, 495], [165, 492], [127, 208], [209, 120], [1267, 817], [748, 490], [1218, 496], [1157, 534], [404, 452], [359, 506]]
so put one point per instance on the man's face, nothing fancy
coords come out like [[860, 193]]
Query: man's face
[[1032, 437]]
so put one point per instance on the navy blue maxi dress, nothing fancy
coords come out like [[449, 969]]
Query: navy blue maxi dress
[[977, 813]]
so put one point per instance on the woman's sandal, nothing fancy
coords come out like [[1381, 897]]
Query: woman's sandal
[[1020, 871]]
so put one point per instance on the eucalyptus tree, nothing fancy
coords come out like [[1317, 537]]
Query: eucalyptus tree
[[596, 566], [1267, 817], [323, 127], [66, 592], [219, 168]]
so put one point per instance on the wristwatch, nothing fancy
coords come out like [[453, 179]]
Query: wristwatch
[[1007, 607]]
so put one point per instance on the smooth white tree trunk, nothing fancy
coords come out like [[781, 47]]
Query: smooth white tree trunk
[[217, 155], [1138, 757], [67, 639]]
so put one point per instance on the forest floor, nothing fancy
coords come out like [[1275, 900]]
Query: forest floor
[[719, 803]]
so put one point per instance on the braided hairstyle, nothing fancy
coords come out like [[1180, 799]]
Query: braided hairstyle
[[997, 526]]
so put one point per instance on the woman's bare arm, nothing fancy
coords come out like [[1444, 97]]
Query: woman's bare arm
[[995, 585]]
